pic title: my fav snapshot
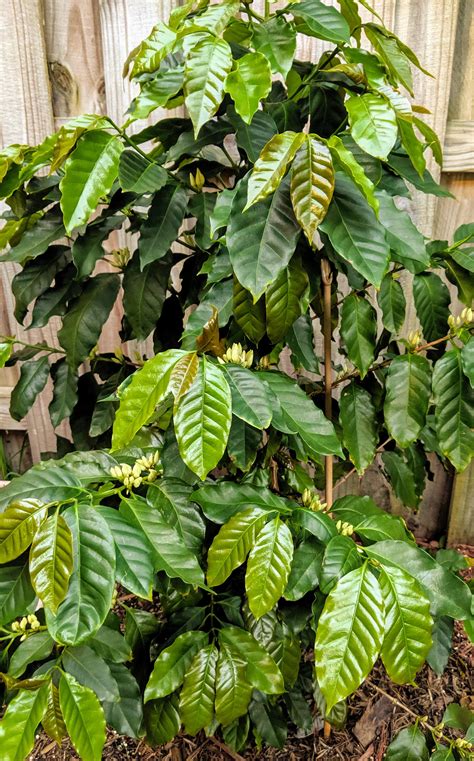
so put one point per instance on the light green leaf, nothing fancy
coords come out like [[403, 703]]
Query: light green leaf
[[276, 39], [196, 704], [86, 315], [340, 558], [51, 484], [140, 175], [249, 316], [183, 375], [453, 398], [133, 555], [356, 235], [154, 48], [222, 500], [154, 93], [359, 427], [359, 331], [52, 721], [19, 723], [391, 301], [161, 226], [409, 745], [91, 585], [432, 301], [89, 173], [408, 625], [318, 524], [248, 83], [271, 165], [51, 561], [37, 647], [206, 70], [249, 396], [405, 240], [139, 399], [18, 526], [268, 566], [407, 396], [33, 377], [262, 671], [321, 20], [349, 635], [173, 663], [305, 569], [233, 691], [36, 240], [312, 185], [348, 162], [83, 717], [232, 544], [372, 123], [202, 419]]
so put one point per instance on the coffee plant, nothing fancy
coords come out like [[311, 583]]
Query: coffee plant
[[181, 567]]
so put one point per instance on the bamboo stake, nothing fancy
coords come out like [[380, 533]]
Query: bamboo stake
[[326, 277]]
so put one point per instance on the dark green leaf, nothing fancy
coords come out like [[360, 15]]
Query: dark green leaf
[[405, 240], [33, 377], [249, 397], [262, 671], [37, 647], [162, 721], [432, 300], [283, 300], [359, 331], [269, 722], [300, 340], [442, 635], [322, 21], [172, 664], [37, 239], [139, 175], [162, 224], [401, 479], [358, 420], [391, 301], [64, 391], [454, 420], [91, 671], [408, 390], [340, 557], [243, 443], [305, 569], [249, 316], [144, 294], [52, 484], [125, 714], [222, 500], [171, 496], [16, 592], [133, 555], [35, 277], [409, 745], [88, 248]]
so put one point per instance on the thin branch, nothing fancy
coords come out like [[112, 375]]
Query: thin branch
[[354, 470]]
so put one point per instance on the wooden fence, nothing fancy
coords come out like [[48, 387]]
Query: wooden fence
[[60, 58]]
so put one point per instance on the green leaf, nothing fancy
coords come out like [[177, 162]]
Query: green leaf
[[283, 300], [243, 443], [358, 420], [269, 722], [16, 592], [249, 316], [5, 352], [206, 70], [305, 569], [249, 397], [262, 241], [448, 594], [35, 278], [268, 566], [133, 555], [82, 325], [18, 726], [64, 399], [321, 20], [253, 137], [173, 663], [276, 39], [408, 390], [409, 745], [271, 165], [33, 377], [138, 400], [91, 585], [37, 647], [196, 704], [233, 691], [144, 294], [312, 185], [169, 551], [359, 331], [340, 558], [319, 524], [392, 302], [248, 83], [349, 164], [401, 479], [171, 496], [232, 544], [453, 398], [409, 140], [125, 715], [51, 561], [83, 717], [222, 500], [405, 240], [369, 521], [37, 239], [262, 671], [183, 375], [161, 226], [408, 625], [154, 93], [467, 360], [91, 671], [300, 339], [52, 484], [372, 123], [302, 416], [151, 51], [88, 248], [140, 175], [162, 721], [202, 419], [18, 525], [89, 174], [354, 232], [52, 721], [432, 300], [458, 716], [349, 635]]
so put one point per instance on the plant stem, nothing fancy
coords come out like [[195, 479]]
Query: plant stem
[[353, 470], [40, 347], [326, 277]]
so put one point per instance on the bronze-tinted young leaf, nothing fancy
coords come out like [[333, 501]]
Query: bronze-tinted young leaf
[[271, 166], [53, 721], [209, 340], [18, 525]]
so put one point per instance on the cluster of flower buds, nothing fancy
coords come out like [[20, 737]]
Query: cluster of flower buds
[[22, 626], [414, 339], [237, 356], [344, 529], [197, 180], [312, 501], [132, 476], [120, 257], [465, 318]]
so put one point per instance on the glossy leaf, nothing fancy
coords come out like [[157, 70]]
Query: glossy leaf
[[125, 715], [300, 339], [51, 561], [83, 717], [432, 300], [18, 526], [348, 162], [206, 70], [88, 249], [36, 647], [453, 397], [144, 294], [349, 635], [271, 166], [340, 558], [249, 397], [64, 392], [89, 174], [408, 745], [139, 175], [172, 664], [222, 500], [202, 420], [33, 377], [305, 569], [243, 444], [233, 691], [133, 555], [248, 83], [19, 723], [149, 54], [249, 316], [401, 479], [392, 302], [283, 300], [232, 544], [405, 240], [91, 671], [196, 704], [171, 496], [358, 420], [262, 671], [467, 360], [16, 592], [358, 331], [369, 521], [372, 123], [322, 21], [268, 566], [276, 39], [36, 240], [35, 278], [161, 226], [52, 721], [408, 389], [312, 185], [162, 721], [408, 624]]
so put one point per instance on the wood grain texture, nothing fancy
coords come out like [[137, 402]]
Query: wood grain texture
[[459, 146]]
